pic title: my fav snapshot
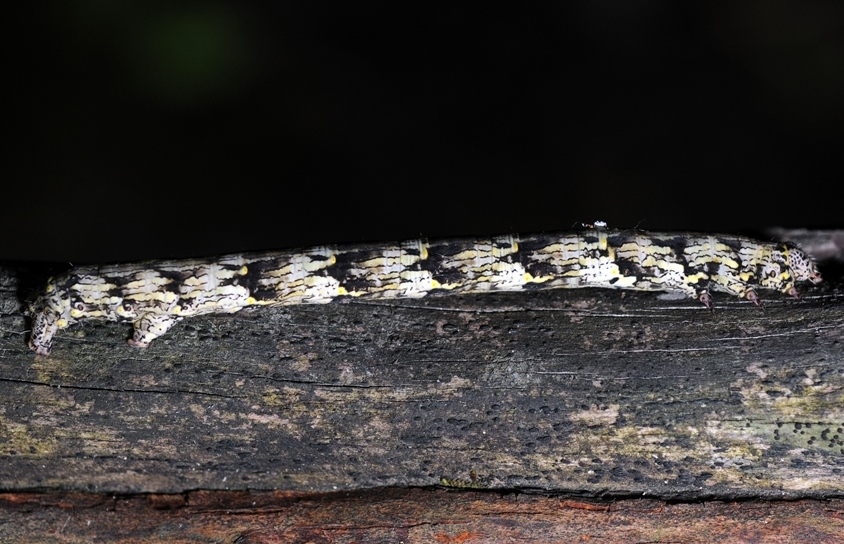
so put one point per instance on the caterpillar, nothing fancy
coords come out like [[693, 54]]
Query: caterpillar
[[472, 483], [155, 295]]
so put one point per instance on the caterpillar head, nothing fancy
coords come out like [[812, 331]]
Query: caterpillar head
[[802, 267], [785, 265]]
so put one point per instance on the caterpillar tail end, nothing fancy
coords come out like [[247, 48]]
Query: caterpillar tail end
[[40, 349], [44, 327]]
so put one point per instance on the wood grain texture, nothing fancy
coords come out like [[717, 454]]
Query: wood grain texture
[[589, 392], [406, 515]]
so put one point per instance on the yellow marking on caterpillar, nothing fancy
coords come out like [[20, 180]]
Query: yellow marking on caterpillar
[[695, 278]]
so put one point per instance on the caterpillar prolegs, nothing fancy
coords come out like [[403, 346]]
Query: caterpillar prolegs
[[155, 295]]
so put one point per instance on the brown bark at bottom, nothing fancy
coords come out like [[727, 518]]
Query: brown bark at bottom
[[406, 515]]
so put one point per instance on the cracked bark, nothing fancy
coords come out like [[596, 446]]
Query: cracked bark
[[585, 392]]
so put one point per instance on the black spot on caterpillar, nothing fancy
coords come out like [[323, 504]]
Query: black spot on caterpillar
[[155, 295]]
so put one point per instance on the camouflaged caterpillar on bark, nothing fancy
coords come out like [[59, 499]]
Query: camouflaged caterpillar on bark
[[457, 483], [156, 295]]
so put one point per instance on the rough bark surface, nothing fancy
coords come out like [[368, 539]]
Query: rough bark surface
[[407, 515], [591, 393]]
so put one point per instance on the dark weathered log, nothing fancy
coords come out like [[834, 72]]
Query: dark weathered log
[[594, 393]]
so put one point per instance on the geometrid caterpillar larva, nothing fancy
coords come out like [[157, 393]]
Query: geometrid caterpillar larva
[[157, 294]]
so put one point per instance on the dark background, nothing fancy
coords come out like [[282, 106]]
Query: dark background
[[173, 129]]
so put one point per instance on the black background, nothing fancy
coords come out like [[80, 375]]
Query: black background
[[174, 129]]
